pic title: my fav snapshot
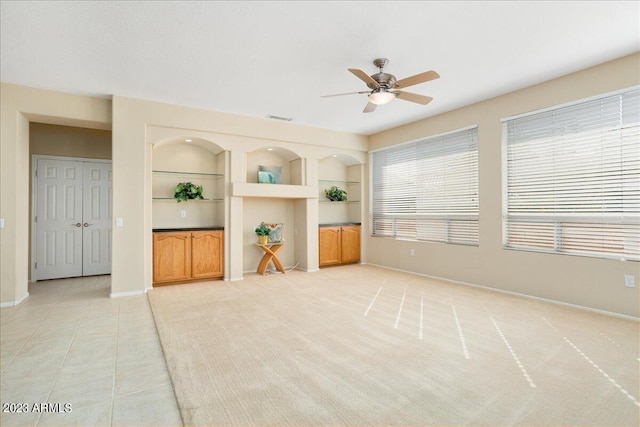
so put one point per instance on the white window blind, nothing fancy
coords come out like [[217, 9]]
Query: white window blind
[[428, 189], [573, 179]]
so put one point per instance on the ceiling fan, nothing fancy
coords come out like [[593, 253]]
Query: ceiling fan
[[385, 88]]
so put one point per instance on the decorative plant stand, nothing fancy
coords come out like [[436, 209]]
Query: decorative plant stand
[[269, 256]]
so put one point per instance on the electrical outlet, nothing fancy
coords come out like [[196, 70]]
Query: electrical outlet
[[118, 222], [183, 213], [629, 281], [1, 222], [412, 252]]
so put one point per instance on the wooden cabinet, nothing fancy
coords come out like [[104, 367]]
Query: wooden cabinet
[[181, 256], [171, 256], [206, 254], [350, 244], [329, 246], [339, 245]]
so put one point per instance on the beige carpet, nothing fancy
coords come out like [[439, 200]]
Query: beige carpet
[[360, 345]]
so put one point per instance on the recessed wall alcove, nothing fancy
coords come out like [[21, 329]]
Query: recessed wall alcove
[[346, 173], [198, 161], [284, 203], [293, 186]]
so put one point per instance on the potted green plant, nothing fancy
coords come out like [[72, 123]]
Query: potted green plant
[[336, 194], [187, 190], [262, 231]]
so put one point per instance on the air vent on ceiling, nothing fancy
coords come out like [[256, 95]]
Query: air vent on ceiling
[[286, 119]]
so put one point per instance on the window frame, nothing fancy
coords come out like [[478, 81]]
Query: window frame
[[459, 220], [565, 224]]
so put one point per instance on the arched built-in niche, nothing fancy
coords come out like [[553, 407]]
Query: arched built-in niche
[[189, 141], [347, 174], [286, 161], [194, 160]]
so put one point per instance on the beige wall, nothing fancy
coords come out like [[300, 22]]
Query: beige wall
[[272, 211], [589, 282], [68, 141]]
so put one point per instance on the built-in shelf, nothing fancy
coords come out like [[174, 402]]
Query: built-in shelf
[[333, 181], [190, 200], [325, 184], [164, 182], [278, 191], [211, 175], [347, 177]]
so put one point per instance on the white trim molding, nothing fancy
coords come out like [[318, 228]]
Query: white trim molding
[[14, 303], [126, 294]]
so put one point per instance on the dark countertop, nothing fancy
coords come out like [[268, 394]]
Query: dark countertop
[[160, 230], [339, 224]]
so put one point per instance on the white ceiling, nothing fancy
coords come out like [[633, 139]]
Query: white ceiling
[[259, 58]]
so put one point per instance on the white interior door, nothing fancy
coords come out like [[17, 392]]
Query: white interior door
[[59, 219], [96, 247], [73, 218]]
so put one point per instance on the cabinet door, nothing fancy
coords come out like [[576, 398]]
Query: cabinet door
[[350, 241], [171, 256], [207, 248], [329, 246]]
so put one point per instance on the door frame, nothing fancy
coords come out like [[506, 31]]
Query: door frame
[[34, 201]]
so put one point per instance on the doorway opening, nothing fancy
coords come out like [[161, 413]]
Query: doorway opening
[[72, 221], [71, 201]]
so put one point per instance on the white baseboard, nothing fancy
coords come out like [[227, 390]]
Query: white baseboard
[[270, 270], [14, 303], [126, 294], [518, 294]]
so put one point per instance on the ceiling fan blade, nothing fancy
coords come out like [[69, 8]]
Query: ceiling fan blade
[[365, 78], [369, 108], [413, 97], [418, 78], [341, 94]]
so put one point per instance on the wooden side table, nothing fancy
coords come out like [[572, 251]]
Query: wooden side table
[[270, 255]]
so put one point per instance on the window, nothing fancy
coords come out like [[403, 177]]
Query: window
[[573, 178], [427, 189]]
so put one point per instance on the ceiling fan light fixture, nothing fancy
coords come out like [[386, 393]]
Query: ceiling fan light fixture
[[381, 97], [384, 87]]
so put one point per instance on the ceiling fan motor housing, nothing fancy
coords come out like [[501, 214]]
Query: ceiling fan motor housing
[[385, 80]]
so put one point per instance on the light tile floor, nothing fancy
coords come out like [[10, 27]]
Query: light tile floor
[[69, 343]]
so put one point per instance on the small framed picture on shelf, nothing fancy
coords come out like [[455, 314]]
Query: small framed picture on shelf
[[266, 178], [269, 174], [275, 236]]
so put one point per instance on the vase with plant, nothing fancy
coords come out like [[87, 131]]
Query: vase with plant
[[186, 190], [262, 231], [336, 194]]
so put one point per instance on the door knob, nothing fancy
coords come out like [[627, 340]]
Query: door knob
[[86, 225], [77, 224]]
